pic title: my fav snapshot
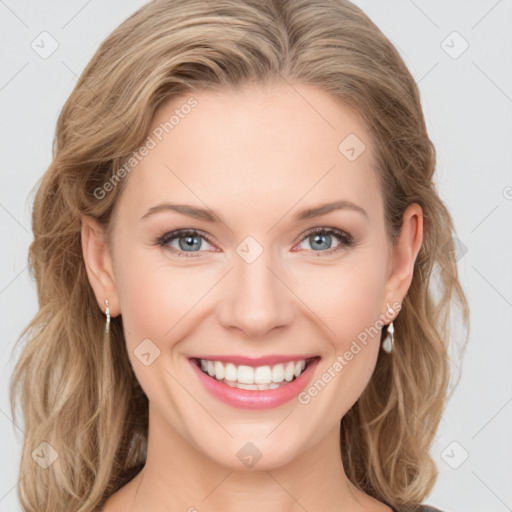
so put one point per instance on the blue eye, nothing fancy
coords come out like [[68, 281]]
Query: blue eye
[[190, 241], [320, 237]]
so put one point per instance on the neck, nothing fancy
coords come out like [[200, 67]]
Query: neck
[[177, 476]]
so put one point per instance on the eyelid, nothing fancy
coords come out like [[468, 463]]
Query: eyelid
[[328, 230], [345, 238], [169, 236]]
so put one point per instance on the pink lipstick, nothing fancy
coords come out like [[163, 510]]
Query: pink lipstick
[[280, 383]]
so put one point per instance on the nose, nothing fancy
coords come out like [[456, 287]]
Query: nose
[[256, 300]]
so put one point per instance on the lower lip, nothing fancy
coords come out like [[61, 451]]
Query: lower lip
[[255, 399]]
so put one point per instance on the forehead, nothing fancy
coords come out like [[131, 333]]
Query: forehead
[[260, 148]]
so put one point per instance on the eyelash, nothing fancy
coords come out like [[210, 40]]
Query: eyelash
[[163, 241]]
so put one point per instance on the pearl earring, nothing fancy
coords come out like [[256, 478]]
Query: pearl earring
[[107, 314], [389, 340]]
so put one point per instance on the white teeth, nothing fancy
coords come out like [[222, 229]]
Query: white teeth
[[262, 375], [219, 370], [231, 372], [288, 371], [260, 387], [278, 373], [246, 386], [247, 377]]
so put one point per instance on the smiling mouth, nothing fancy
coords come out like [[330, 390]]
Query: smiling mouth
[[254, 377]]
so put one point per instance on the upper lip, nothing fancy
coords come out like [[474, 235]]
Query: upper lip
[[256, 361]]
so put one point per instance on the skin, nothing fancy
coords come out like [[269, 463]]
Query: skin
[[256, 157]]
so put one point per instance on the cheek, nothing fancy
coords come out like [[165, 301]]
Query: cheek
[[156, 296], [346, 297], [158, 302], [146, 307], [362, 298]]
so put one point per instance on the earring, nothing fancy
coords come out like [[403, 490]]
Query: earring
[[389, 340], [107, 314]]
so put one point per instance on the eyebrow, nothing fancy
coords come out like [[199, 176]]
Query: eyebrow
[[210, 216]]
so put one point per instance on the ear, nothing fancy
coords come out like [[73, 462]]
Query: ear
[[404, 255], [98, 264]]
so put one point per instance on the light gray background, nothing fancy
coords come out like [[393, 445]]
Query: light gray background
[[467, 103]]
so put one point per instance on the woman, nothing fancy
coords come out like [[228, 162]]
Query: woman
[[244, 271]]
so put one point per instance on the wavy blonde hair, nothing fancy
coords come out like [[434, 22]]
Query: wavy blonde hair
[[77, 389]]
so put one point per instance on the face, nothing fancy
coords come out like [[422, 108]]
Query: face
[[270, 279]]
